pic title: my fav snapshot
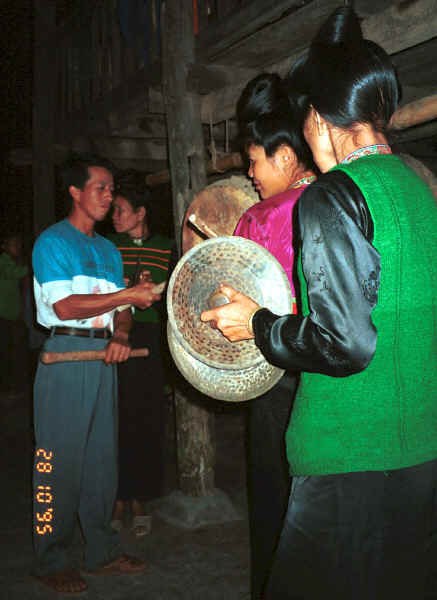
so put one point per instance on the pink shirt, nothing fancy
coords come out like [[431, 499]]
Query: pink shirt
[[269, 223]]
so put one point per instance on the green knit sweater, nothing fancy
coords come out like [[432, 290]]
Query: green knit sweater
[[154, 255], [384, 417]]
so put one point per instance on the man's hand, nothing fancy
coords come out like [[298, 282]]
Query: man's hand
[[142, 295], [232, 319], [118, 349]]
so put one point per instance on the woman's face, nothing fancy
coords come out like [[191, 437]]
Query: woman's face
[[124, 217], [270, 175]]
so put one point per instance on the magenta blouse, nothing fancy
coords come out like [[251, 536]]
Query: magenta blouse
[[269, 223]]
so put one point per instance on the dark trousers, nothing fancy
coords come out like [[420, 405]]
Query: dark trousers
[[360, 536], [268, 477], [142, 418], [75, 470]]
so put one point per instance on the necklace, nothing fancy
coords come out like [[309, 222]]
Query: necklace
[[304, 181], [366, 151]]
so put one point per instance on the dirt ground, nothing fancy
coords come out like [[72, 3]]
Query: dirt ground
[[209, 563]]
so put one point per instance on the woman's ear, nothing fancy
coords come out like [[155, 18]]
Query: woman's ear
[[319, 122], [286, 156]]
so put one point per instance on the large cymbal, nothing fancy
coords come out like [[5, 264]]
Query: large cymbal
[[219, 206], [222, 384], [202, 352]]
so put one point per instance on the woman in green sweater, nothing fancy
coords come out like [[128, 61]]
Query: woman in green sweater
[[142, 381], [362, 438]]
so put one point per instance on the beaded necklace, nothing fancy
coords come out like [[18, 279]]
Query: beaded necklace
[[304, 181], [366, 151]]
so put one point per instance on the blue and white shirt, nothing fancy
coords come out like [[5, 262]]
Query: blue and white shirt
[[67, 261]]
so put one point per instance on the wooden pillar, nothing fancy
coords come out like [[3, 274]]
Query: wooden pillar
[[196, 452], [44, 86]]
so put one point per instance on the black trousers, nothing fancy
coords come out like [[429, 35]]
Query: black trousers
[[360, 536], [268, 477], [142, 418]]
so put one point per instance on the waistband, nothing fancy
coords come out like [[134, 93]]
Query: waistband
[[76, 331]]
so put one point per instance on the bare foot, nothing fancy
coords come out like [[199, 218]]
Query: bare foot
[[64, 582]]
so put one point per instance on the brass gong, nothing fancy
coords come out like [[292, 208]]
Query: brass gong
[[231, 371]]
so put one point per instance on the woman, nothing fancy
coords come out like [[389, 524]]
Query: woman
[[141, 381], [281, 167], [361, 441]]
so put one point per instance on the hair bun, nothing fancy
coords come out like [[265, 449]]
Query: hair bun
[[342, 27], [263, 95]]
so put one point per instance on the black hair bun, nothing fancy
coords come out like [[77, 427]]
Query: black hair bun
[[263, 95], [342, 27]]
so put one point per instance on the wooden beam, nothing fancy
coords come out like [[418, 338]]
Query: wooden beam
[[155, 101], [204, 79], [244, 22], [223, 163], [24, 157], [403, 25], [415, 113], [396, 28], [145, 165], [417, 66], [131, 148], [279, 39], [122, 98], [196, 451]]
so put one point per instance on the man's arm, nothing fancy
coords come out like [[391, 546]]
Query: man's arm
[[118, 349], [82, 306]]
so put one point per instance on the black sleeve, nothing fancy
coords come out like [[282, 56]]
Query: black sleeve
[[342, 272]]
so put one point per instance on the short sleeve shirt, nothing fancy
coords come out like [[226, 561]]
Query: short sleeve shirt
[[67, 261]]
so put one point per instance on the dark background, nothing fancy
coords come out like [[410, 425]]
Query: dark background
[[16, 55]]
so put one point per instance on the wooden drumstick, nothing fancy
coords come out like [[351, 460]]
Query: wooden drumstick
[[49, 358], [158, 289], [202, 227]]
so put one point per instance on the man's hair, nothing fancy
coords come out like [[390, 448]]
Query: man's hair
[[75, 170]]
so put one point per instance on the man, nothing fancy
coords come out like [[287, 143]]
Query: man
[[80, 298]]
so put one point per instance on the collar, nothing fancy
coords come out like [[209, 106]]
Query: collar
[[366, 151], [304, 181]]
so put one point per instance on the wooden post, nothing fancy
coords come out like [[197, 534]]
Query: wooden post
[[44, 87], [196, 452]]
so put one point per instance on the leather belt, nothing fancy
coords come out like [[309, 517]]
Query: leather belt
[[97, 333]]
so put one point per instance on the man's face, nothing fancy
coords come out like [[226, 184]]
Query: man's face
[[95, 199]]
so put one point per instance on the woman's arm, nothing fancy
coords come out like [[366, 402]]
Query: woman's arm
[[342, 271]]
